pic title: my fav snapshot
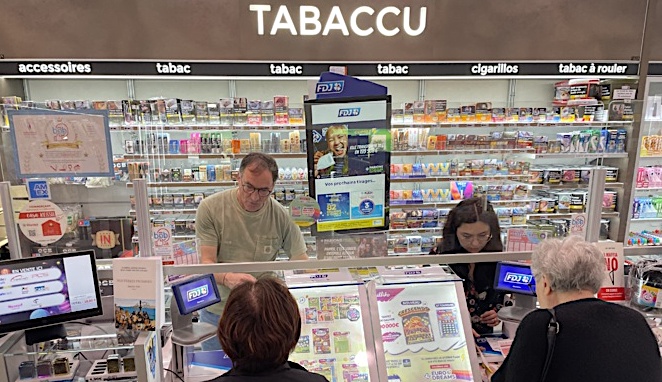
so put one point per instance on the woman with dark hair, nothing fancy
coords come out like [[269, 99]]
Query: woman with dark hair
[[473, 227], [259, 328]]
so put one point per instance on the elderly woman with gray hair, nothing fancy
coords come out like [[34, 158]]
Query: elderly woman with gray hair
[[581, 338]]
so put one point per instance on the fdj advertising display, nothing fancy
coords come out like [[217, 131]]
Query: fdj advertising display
[[349, 145], [423, 333]]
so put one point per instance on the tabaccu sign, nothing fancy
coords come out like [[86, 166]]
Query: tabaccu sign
[[362, 21]]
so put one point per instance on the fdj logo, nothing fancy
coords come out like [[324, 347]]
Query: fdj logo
[[60, 131], [351, 112], [197, 293], [518, 278], [330, 87]]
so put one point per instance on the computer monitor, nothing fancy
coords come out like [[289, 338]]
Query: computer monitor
[[38, 294], [515, 278], [196, 293]]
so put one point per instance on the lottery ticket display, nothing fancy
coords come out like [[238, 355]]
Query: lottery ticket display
[[423, 332], [332, 341]]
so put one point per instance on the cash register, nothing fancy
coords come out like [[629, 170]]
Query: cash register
[[516, 278]]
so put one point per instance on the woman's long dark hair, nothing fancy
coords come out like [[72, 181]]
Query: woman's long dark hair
[[471, 211]]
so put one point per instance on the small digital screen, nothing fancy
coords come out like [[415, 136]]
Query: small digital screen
[[515, 278], [47, 290], [196, 293]]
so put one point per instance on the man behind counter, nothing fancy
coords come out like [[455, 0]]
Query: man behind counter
[[244, 224]]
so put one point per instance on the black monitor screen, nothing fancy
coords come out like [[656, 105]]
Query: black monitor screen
[[515, 278], [196, 293], [47, 290]]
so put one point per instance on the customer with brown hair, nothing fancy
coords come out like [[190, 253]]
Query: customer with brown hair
[[259, 328]]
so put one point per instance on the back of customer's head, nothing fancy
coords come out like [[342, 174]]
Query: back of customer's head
[[260, 325], [471, 211], [569, 265]]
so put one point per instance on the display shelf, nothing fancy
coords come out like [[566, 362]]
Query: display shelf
[[643, 250], [579, 155], [201, 127], [97, 342], [541, 124], [452, 203], [651, 157], [647, 220], [573, 185], [229, 183], [452, 178], [183, 237], [410, 230], [462, 152], [568, 215], [207, 156], [392, 253], [173, 211], [73, 368], [648, 189], [99, 372]]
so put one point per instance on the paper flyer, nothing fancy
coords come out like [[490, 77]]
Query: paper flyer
[[332, 341], [139, 296], [422, 332], [522, 239], [613, 287]]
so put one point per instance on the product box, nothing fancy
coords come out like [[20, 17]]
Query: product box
[[621, 110], [240, 107], [267, 110], [158, 107], [201, 113], [512, 114], [115, 113], [483, 111], [187, 108], [226, 112], [173, 111], [281, 107], [82, 105], [144, 112], [468, 113], [440, 109], [498, 114], [296, 116], [526, 114], [397, 116], [419, 111], [453, 115], [254, 113], [408, 108], [430, 114], [213, 111]]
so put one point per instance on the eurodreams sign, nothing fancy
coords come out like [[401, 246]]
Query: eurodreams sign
[[362, 21]]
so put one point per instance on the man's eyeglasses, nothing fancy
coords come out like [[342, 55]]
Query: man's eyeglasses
[[262, 192]]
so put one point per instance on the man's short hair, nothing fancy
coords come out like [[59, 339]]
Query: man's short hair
[[260, 325], [261, 162]]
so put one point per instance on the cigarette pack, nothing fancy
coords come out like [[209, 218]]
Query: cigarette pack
[[296, 116], [226, 112], [187, 108], [173, 111], [267, 110], [254, 112], [201, 113], [213, 112], [281, 106], [240, 107]]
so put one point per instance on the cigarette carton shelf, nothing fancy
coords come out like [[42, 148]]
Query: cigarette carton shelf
[[648, 189], [452, 178], [573, 185], [462, 152], [580, 156], [154, 128], [647, 220], [452, 203], [568, 216], [541, 124], [213, 184], [207, 156], [643, 250]]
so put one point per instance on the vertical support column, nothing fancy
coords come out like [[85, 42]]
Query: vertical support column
[[512, 89], [421, 90], [130, 89], [596, 191], [10, 224], [232, 88], [142, 217], [26, 90]]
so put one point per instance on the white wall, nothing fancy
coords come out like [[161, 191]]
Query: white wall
[[532, 93], [42, 90], [197, 90], [267, 89], [463, 92]]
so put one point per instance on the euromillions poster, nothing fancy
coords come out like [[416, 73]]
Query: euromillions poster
[[424, 332], [349, 158]]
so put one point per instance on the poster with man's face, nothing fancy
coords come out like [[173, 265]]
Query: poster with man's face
[[343, 151]]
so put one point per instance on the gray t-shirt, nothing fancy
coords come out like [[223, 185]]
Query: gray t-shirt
[[242, 236]]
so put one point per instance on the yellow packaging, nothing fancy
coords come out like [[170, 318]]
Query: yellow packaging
[[202, 173], [407, 169], [468, 113], [430, 112], [407, 194], [419, 111], [295, 141], [432, 142]]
